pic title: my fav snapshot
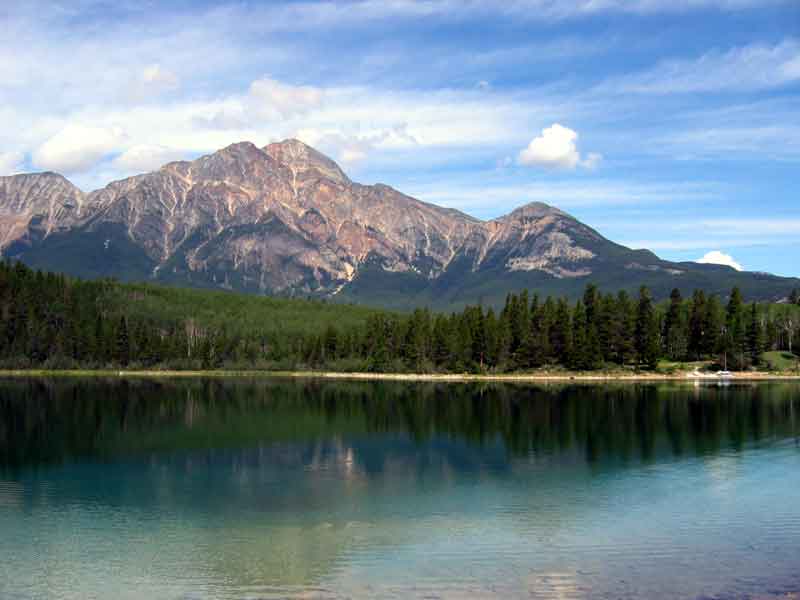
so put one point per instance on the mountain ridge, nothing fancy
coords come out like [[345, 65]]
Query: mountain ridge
[[285, 219]]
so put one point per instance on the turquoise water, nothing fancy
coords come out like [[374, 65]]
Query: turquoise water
[[281, 489]]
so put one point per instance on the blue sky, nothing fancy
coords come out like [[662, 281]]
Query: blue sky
[[667, 124]]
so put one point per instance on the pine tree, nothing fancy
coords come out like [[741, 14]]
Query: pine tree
[[736, 329], [755, 336], [477, 326], [605, 327], [561, 337], [492, 334], [441, 345], [579, 356], [714, 327], [697, 325], [647, 336], [330, 343], [675, 335], [623, 329], [463, 345], [502, 348], [538, 347], [590, 303], [520, 327], [593, 356], [123, 345]]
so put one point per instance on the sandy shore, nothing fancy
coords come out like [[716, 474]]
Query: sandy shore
[[599, 377]]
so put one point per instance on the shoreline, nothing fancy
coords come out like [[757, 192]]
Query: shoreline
[[420, 377]]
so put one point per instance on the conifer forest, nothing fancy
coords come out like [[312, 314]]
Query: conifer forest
[[56, 322]]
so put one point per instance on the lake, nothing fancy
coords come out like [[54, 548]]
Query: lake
[[268, 488]]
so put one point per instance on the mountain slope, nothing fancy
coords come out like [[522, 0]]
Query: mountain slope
[[286, 220]]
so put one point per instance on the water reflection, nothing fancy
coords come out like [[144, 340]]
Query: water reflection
[[45, 421], [280, 488]]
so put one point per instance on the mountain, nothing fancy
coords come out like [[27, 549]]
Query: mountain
[[286, 220]]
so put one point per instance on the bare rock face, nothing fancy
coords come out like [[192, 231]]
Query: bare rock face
[[286, 219], [39, 202]]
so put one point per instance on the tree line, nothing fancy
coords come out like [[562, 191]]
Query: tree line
[[53, 321]]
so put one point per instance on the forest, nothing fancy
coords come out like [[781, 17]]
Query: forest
[[52, 321]]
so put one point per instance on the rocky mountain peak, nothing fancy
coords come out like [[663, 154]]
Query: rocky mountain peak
[[28, 192], [531, 211], [305, 161], [45, 201], [285, 219], [239, 163]]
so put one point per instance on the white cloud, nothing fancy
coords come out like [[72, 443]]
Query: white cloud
[[268, 96], [158, 79], [715, 257], [11, 162], [490, 194], [768, 142], [352, 148], [556, 147], [77, 147], [784, 226], [309, 15], [145, 157], [751, 67], [592, 160]]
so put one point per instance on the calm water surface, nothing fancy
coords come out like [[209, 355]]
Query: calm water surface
[[280, 489]]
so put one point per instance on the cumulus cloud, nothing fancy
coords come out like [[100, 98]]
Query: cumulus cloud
[[77, 147], [268, 96], [11, 162], [146, 157], [556, 148], [715, 257]]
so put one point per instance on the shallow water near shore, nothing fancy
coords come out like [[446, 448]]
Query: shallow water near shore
[[258, 488]]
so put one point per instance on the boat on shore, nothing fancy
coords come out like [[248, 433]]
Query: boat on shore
[[719, 375]]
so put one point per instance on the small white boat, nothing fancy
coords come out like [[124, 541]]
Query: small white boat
[[699, 375], [718, 375]]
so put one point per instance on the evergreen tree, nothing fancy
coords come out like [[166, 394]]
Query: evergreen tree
[[623, 329], [579, 356], [590, 303], [329, 344], [647, 336], [492, 335], [714, 327], [538, 347], [755, 336], [605, 327], [735, 341], [675, 333], [123, 345], [442, 348], [698, 322], [561, 337]]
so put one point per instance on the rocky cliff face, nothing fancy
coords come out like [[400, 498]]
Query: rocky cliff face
[[285, 219], [37, 204]]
